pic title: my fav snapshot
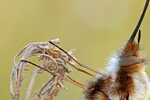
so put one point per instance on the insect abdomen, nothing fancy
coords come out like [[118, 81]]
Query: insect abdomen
[[98, 89]]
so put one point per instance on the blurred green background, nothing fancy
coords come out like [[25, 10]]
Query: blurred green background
[[94, 27]]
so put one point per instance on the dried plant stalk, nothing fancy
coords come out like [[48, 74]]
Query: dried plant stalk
[[53, 60]]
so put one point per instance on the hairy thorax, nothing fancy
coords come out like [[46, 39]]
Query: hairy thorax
[[125, 80]]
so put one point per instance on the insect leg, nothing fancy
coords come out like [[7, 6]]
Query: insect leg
[[77, 61], [75, 83]]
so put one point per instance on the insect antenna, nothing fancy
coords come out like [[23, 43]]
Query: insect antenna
[[139, 23], [69, 80], [77, 61]]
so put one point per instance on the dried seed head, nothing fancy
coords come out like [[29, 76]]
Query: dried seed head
[[53, 60]]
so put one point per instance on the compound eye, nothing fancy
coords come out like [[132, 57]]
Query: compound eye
[[128, 61]]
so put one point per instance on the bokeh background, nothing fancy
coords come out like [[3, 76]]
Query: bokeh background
[[93, 27]]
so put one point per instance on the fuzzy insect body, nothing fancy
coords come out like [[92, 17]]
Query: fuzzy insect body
[[122, 82], [126, 78]]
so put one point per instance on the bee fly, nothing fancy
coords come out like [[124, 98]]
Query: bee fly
[[125, 77]]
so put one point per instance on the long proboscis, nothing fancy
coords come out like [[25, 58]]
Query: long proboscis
[[139, 22]]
